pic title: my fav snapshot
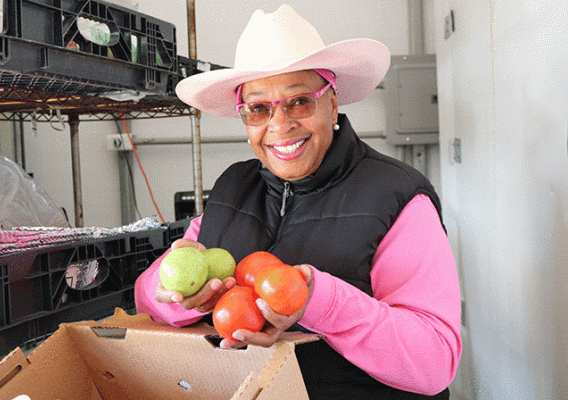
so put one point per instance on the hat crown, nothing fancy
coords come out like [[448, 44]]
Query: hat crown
[[283, 42], [273, 40]]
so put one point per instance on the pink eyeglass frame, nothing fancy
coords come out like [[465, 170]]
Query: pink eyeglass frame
[[317, 95]]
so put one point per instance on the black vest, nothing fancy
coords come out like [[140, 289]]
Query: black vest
[[334, 220]]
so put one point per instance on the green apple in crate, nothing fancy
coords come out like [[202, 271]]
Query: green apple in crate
[[221, 263], [184, 270]]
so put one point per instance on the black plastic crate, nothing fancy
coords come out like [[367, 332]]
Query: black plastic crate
[[177, 229], [36, 294], [98, 45], [188, 67]]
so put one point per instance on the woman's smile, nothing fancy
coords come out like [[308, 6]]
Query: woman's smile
[[289, 150]]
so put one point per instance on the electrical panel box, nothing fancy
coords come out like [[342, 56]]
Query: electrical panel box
[[411, 100]]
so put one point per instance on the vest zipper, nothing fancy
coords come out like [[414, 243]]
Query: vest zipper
[[285, 195]]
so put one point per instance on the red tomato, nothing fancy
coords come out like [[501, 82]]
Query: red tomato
[[283, 288], [249, 266], [237, 309]]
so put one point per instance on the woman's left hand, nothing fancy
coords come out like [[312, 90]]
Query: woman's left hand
[[277, 323]]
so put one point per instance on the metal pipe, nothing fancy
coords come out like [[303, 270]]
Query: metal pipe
[[225, 140], [191, 32], [415, 27], [22, 143], [76, 169], [18, 141], [126, 183], [371, 135], [196, 116], [197, 172], [185, 140], [416, 47]]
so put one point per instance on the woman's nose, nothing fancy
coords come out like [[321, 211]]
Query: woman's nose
[[280, 121]]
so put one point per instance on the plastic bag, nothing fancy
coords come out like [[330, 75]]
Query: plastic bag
[[23, 202]]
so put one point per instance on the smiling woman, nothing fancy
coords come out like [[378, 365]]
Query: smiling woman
[[364, 229]]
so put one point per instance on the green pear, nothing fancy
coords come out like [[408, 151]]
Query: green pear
[[220, 262], [184, 270]]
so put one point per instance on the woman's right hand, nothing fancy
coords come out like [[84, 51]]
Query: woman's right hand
[[205, 299]]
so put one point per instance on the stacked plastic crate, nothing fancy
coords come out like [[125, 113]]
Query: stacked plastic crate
[[83, 278]]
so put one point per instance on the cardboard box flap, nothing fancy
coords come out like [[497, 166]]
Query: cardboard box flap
[[117, 326], [282, 352], [121, 318], [249, 389], [121, 321], [282, 380], [150, 364], [11, 365], [254, 385], [54, 370]]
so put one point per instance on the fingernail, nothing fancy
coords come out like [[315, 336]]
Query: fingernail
[[261, 304], [176, 298], [216, 285], [238, 336]]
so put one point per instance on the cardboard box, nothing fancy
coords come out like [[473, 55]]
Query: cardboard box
[[133, 357]]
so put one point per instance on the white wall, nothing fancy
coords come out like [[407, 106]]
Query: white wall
[[170, 168], [503, 80]]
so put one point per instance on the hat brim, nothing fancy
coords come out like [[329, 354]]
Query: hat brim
[[359, 66]]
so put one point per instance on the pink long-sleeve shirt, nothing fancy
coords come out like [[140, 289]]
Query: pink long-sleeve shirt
[[407, 335]]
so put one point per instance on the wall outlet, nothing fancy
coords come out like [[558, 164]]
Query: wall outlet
[[118, 142]]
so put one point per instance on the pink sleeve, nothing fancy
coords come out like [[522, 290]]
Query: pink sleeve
[[408, 334], [145, 288]]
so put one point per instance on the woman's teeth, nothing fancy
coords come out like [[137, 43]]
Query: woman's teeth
[[290, 148]]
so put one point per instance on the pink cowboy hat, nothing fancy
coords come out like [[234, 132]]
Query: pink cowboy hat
[[280, 42]]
